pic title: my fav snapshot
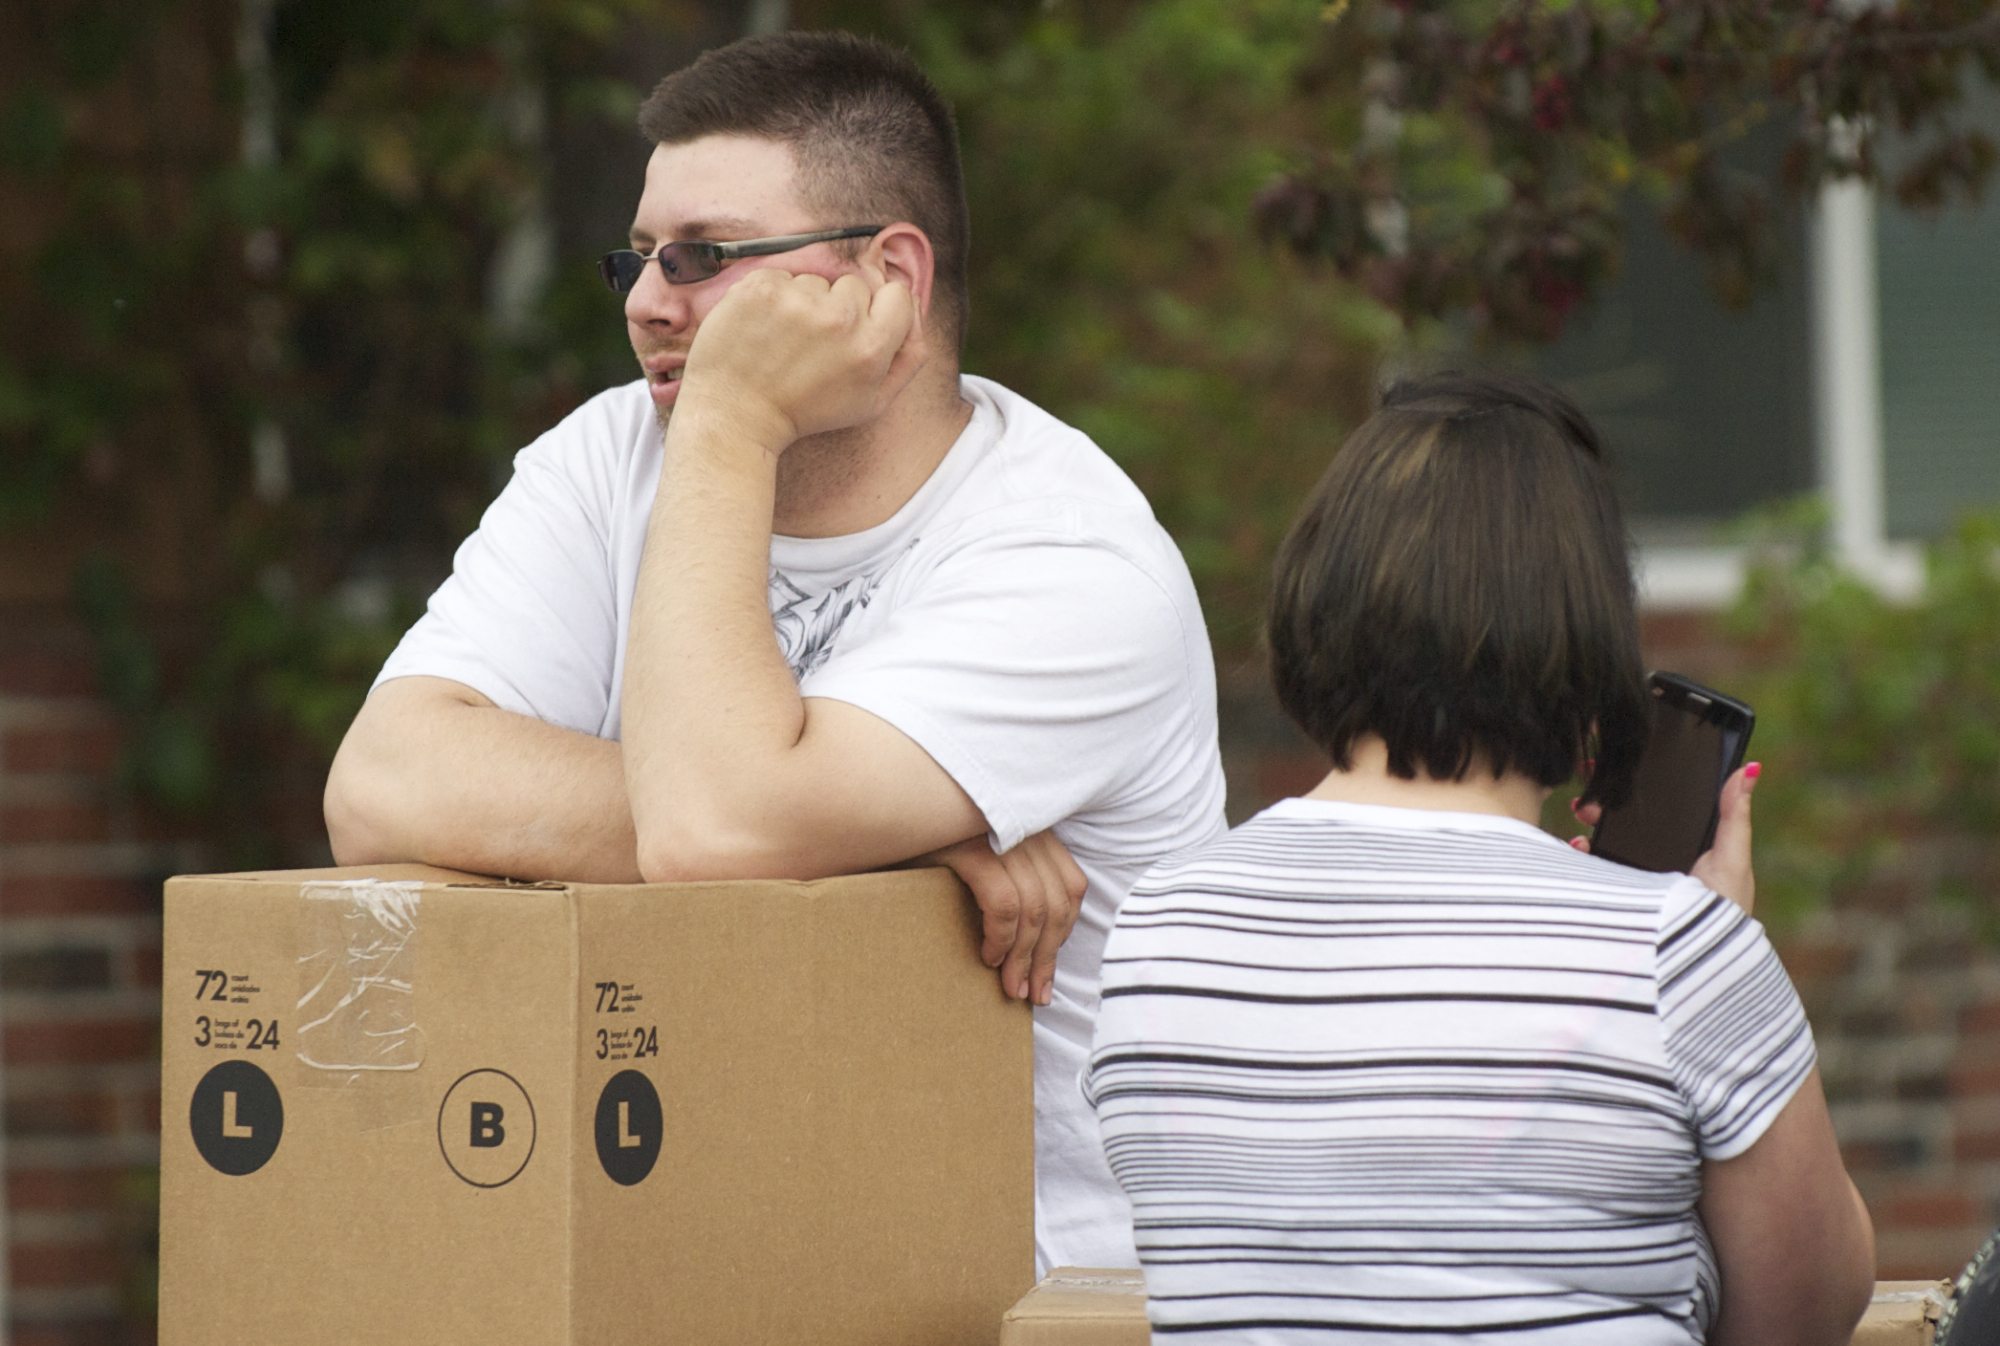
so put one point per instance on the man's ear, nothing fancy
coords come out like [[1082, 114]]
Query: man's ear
[[904, 253]]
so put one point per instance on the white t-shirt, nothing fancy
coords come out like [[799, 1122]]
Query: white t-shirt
[[1023, 618], [1419, 1077]]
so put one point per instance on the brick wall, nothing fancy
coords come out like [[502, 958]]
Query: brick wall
[[79, 1000]]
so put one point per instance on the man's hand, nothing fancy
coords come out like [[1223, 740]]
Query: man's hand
[[1725, 866], [1029, 899], [789, 356]]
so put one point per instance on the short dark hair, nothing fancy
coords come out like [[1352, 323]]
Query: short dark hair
[[1460, 584], [873, 138]]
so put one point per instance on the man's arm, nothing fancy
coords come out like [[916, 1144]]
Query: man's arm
[[731, 772], [432, 771]]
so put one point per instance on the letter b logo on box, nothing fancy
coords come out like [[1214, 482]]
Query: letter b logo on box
[[486, 1128]]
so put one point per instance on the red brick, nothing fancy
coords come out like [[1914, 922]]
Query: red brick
[[64, 1266], [64, 820], [45, 672], [1928, 1208], [144, 966], [90, 749], [1977, 1072], [1279, 776], [1983, 1018], [1977, 1145], [1926, 1254], [65, 1189], [1816, 959], [76, 895], [64, 1041]]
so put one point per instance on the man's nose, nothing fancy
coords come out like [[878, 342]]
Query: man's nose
[[651, 302]]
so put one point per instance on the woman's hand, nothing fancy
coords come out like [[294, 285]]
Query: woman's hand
[[1725, 865]]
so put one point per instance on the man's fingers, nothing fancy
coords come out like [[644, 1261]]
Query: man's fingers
[[891, 317], [993, 891], [1074, 884], [1000, 905], [1034, 917], [1042, 851]]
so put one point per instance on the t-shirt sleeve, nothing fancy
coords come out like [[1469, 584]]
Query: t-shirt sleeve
[[1736, 1034], [527, 616], [1040, 672]]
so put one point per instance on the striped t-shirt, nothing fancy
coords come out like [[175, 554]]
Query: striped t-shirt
[[1376, 1075]]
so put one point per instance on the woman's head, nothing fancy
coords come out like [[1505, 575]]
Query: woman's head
[[1459, 586]]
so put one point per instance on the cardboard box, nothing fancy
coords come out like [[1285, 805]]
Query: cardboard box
[[1077, 1306], [407, 1106], [1903, 1313], [1080, 1306]]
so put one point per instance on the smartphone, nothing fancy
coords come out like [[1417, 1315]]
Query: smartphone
[[1696, 737]]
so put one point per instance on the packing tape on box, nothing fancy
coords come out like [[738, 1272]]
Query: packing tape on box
[[358, 1029]]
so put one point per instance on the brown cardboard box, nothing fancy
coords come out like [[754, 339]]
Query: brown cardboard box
[[1903, 1313], [1076, 1306], [406, 1106], [1080, 1306]]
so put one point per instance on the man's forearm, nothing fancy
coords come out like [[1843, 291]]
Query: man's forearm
[[433, 778], [710, 707]]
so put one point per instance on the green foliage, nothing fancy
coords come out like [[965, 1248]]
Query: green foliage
[[1112, 155], [1484, 178], [254, 330], [253, 337], [1881, 716]]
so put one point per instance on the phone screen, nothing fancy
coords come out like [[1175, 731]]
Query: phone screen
[[1669, 818]]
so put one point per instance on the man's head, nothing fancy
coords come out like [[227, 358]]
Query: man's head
[[1459, 585], [812, 131]]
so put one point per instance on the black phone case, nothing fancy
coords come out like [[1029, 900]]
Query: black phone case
[[1722, 708]]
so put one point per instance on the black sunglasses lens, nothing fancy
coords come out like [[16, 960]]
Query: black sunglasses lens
[[621, 269]]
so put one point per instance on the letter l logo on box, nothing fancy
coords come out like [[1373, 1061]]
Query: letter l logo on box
[[230, 1126]]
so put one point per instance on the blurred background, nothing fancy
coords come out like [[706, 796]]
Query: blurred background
[[285, 283]]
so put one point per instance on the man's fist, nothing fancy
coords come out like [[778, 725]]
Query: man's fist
[[788, 356]]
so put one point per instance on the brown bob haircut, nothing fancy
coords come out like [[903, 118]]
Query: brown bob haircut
[[873, 139], [1459, 584]]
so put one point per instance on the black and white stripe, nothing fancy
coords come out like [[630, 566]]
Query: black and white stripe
[[1375, 1074]]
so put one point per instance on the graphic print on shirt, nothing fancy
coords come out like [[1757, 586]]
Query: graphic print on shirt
[[808, 624]]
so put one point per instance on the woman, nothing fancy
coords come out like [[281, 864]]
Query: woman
[[1388, 1063]]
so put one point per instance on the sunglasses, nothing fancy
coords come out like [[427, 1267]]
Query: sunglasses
[[684, 263]]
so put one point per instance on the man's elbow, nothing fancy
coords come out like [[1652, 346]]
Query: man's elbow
[[691, 847], [357, 827]]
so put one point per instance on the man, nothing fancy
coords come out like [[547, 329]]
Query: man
[[986, 649]]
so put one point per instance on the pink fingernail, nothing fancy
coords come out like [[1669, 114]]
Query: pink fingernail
[[1754, 770]]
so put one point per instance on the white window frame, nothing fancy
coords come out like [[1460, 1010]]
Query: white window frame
[[1847, 424]]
